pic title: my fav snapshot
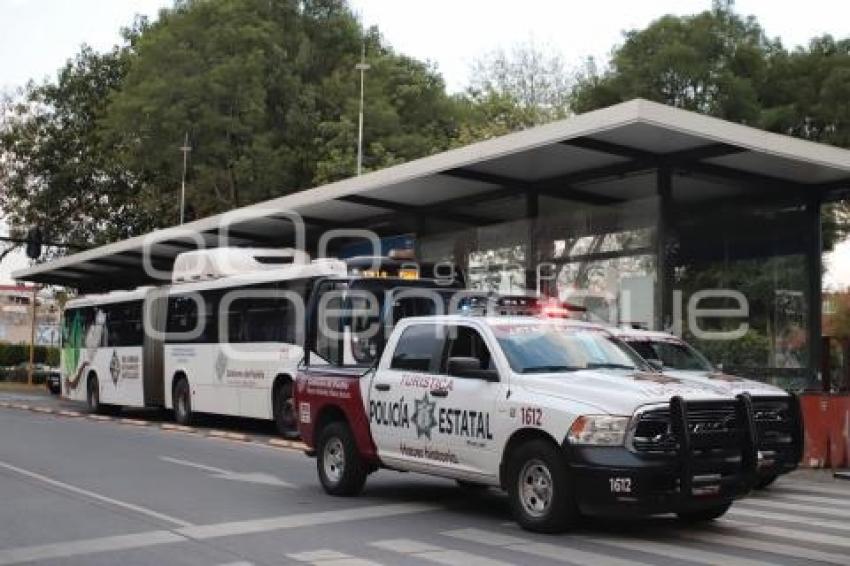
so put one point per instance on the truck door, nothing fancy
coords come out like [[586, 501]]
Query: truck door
[[469, 415], [402, 414]]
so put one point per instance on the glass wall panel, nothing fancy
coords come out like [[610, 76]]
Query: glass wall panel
[[747, 262]]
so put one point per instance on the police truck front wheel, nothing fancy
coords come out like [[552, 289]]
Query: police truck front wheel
[[539, 488], [182, 402], [341, 469]]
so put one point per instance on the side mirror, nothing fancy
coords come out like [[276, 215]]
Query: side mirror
[[463, 366], [657, 365]]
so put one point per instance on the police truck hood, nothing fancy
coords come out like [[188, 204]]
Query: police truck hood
[[725, 383], [618, 392]]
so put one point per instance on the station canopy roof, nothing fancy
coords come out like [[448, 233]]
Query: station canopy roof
[[599, 158]]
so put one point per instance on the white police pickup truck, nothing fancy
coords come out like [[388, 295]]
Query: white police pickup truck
[[559, 415], [777, 414]]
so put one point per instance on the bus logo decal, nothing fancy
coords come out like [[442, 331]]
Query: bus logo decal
[[115, 367]]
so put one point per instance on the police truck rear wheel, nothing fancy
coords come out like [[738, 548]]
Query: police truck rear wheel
[[539, 488], [341, 469], [182, 403]]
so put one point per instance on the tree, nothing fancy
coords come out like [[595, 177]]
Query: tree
[[514, 89], [54, 173], [268, 94], [720, 63]]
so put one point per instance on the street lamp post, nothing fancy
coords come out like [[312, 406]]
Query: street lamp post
[[185, 148], [362, 66]]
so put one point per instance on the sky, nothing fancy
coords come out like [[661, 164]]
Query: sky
[[38, 36]]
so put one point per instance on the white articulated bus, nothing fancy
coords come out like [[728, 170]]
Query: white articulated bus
[[106, 353], [227, 335]]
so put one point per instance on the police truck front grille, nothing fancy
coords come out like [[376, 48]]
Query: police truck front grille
[[712, 427], [774, 421]]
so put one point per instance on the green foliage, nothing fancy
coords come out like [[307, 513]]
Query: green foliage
[[722, 64], [14, 354], [269, 96], [53, 171], [267, 92]]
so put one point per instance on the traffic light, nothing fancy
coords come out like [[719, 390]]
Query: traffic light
[[34, 240]]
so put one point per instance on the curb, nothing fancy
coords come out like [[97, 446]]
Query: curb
[[279, 443]]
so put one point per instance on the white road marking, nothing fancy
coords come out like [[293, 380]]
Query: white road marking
[[249, 477], [676, 551], [553, 552], [792, 497], [87, 546], [436, 554], [326, 557], [152, 538], [303, 520], [802, 521], [795, 534], [791, 507], [96, 496], [833, 490], [756, 545]]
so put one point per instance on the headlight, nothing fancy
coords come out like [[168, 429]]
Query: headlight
[[598, 430]]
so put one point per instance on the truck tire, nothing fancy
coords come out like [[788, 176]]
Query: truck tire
[[93, 395], [283, 410], [540, 489], [704, 515], [182, 402], [766, 481], [341, 469]]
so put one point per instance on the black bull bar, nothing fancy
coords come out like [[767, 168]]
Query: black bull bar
[[746, 437]]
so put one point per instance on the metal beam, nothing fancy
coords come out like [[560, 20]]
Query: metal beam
[[611, 148], [553, 188], [417, 210], [701, 152]]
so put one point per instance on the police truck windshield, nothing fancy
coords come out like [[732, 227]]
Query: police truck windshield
[[550, 348], [672, 354]]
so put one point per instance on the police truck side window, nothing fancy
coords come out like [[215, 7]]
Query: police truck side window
[[417, 349], [468, 343]]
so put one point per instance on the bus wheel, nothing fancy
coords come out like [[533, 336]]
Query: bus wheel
[[341, 469], [93, 395], [283, 409], [182, 402]]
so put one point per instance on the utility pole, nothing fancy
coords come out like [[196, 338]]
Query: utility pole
[[185, 149], [32, 334], [362, 66]]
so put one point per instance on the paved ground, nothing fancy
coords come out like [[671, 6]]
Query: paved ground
[[79, 491]]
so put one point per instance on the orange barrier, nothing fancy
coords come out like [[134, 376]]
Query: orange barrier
[[827, 430], [839, 431]]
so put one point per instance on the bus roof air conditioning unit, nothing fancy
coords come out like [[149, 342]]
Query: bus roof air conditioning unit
[[204, 265]]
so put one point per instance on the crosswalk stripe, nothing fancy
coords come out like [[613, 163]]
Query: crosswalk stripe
[[436, 554], [676, 551], [803, 521], [792, 497], [757, 545], [807, 536], [793, 507], [327, 557], [811, 488], [553, 552]]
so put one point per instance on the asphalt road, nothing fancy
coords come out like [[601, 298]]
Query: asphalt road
[[78, 491]]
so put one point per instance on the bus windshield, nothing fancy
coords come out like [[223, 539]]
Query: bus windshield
[[550, 348]]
